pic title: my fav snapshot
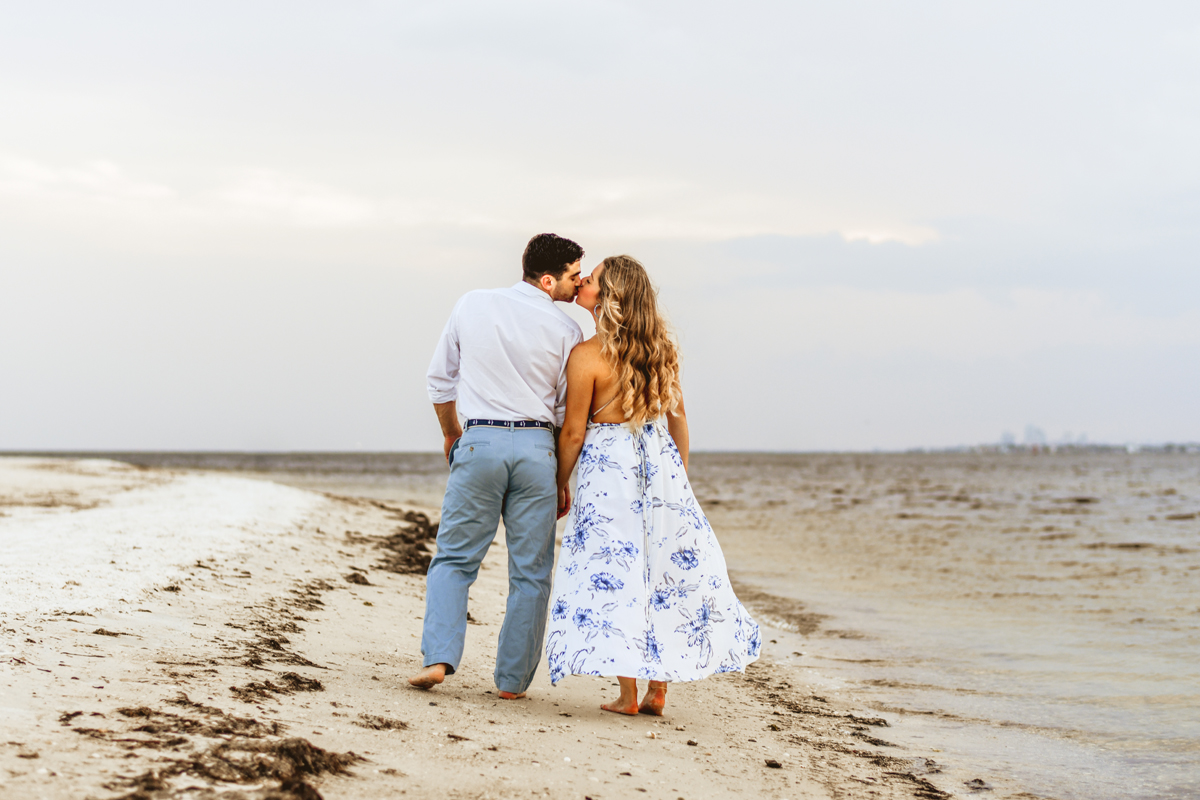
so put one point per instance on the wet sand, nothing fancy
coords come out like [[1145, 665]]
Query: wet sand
[[1028, 619], [277, 670]]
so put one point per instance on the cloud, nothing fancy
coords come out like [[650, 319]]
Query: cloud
[[466, 191], [100, 181], [963, 324], [906, 234], [264, 195]]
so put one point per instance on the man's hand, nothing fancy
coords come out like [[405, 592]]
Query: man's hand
[[564, 501], [447, 414], [450, 440]]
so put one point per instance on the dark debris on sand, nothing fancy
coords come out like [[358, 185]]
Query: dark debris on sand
[[307, 596], [249, 753], [403, 551], [249, 760], [289, 683], [378, 723], [271, 621], [807, 720], [240, 757], [214, 722], [105, 632], [243, 761]]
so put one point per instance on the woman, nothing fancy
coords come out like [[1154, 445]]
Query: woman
[[641, 589]]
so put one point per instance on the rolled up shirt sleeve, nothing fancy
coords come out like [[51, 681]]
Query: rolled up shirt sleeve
[[442, 379]]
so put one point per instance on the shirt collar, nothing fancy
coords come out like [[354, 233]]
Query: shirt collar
[[530, 291]]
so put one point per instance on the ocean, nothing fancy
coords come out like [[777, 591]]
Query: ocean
[[1028, 620]]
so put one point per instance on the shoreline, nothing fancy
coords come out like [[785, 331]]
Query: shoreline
[[283, 677]]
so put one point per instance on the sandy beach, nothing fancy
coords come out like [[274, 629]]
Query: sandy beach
[[269, 659]]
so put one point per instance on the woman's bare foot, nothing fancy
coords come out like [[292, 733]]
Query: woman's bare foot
[[510, 695], [627, 702], [655, 700], [622, 707], [429, 677]]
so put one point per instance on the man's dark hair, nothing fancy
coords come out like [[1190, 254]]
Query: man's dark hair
[[549, 254]]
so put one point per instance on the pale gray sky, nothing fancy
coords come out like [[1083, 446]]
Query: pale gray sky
[[242, 226]]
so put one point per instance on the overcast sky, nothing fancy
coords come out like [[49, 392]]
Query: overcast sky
[[874, 225]]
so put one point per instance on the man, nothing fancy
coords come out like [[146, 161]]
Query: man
[[501, 364]]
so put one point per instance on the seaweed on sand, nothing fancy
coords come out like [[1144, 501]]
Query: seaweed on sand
[[244, 761], [378, 723], [289, 683], [250, 756], [813, 725], [214, 723], [403, 550]]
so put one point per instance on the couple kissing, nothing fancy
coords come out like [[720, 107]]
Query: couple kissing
[[641, 589]]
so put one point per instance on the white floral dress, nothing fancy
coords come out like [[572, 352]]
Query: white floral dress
[[641, 589]]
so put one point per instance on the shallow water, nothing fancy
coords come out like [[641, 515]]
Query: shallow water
[[1033, 620], [1040, 614]]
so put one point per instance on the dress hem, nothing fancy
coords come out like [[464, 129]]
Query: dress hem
[[618, 674]]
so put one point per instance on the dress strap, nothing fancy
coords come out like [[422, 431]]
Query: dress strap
[[601, 408]]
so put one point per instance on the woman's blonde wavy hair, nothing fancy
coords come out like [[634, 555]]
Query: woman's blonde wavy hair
[[636, 343]]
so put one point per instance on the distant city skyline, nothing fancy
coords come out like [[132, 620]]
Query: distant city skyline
[[232, 227]]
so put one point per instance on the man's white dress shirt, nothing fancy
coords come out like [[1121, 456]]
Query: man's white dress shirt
[[503, 355]]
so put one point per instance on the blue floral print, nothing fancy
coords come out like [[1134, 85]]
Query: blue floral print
[[651, 649], [685, 559], [605, 582], [623, 553], [610, 630], [584, 619], [755, 642], [586, 522], [591, 459], [628, 596], [644, 471], [575, 541], [699, 628], [560, 609], [691, 512], [671, 452], [640, 505], [681, 589], [731, 664]]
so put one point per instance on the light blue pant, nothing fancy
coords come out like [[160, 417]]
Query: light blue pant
[[494, 472]]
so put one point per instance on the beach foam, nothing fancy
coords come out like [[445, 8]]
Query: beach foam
[[95, 535]]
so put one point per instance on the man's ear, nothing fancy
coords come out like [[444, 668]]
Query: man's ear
[[546, 282]]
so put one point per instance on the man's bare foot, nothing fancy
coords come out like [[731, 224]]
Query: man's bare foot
[[429, 677], [510, 695], [627, 702], [655, 700]]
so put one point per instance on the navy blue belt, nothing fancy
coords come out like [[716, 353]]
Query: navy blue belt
[[503, 423]]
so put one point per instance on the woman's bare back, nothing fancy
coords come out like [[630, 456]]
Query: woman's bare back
[[588, 369], [604, 406]]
